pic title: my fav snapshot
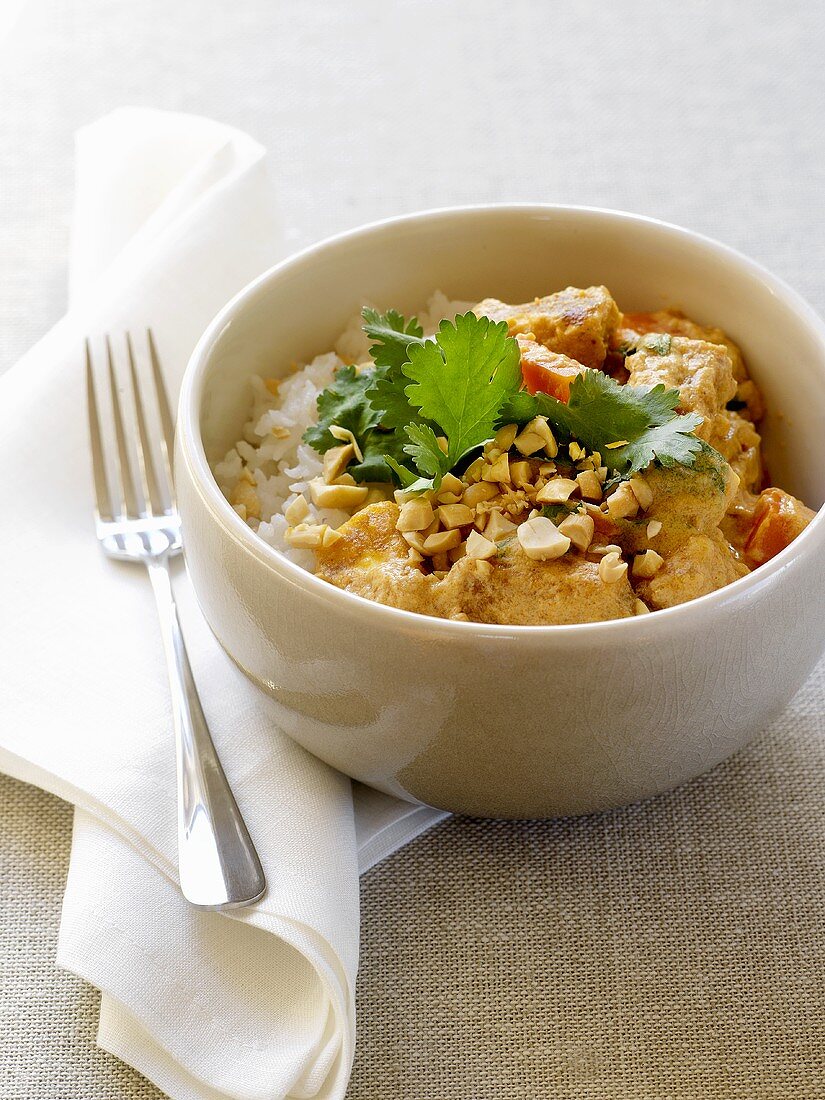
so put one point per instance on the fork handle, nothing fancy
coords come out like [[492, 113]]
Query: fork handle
[[218, 865]]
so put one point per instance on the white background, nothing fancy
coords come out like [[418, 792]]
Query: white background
[[711, 114]]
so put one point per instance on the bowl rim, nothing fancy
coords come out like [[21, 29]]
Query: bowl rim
[[191, 448]]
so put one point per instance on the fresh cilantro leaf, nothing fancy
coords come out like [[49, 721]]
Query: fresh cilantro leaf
[[393, 334], [425, 452], [462, 378], [600, 412], [389, 400], [518, 408], [669, 443], [378, 447], [344, 403]]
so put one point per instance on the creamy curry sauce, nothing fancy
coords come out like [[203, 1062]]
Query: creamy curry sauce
[[477, 549]]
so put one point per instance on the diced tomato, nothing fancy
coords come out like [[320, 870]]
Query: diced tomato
[[777, 519], [546, 371]]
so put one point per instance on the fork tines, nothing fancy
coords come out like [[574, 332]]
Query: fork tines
[[143, 443]]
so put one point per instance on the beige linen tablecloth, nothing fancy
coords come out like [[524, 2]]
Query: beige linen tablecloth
[[670, 950]]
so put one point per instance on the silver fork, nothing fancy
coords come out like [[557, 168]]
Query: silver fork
[[219, 867]]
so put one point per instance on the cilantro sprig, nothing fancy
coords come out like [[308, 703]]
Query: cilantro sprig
[[601, 413], [426, 403]]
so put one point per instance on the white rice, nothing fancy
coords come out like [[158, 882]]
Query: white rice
[[283, 468]]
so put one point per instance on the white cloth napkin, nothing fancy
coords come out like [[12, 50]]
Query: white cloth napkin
[[174, 214]]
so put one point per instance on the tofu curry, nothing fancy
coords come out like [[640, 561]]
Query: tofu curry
[[546, 463]]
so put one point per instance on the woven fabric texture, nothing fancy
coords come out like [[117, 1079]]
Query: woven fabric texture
[[670, 949]]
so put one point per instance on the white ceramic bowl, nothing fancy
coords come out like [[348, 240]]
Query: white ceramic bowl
[[495, 720]]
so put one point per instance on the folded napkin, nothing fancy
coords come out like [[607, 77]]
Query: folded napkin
[[173, 215]]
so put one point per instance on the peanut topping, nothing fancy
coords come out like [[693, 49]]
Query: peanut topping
[[579, 529], [441, 542], [653, 528], [346, 436], [479, 491], [455, 515], [297, 511], [612, 568], [527, 442], [498, 526], [589, 485], [504, 437], [541, 540], [642, 492], [479, 547], [647, 564], [337, 496], [245, 494], [415, 515], [306, 536], [641, 608], [622, 503], [336, 461], [498, 470], [556, 491]]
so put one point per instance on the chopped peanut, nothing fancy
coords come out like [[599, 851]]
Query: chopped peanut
[[414, 539], [498, 470], [556, 491], [297, 511], [498, 526], [336, 460], [576, 451], [641, 608], [306, 536], [520, 472], [479, 547], [647, 564], [377, 493], [622, 503], [473, 471], [441, 542], [330, 536], [451, 484], [245, 494], [415, 515], [589, 485], [504, 437], [610, 548], [479, 491], [346, 436], [642, 492], [337, 496], [541, 540], [579, 529], [455, 515], [612, 568], [653, 528], [540, 427], [527, 443]]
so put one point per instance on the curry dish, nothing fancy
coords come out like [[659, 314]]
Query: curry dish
[[541, 517]]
